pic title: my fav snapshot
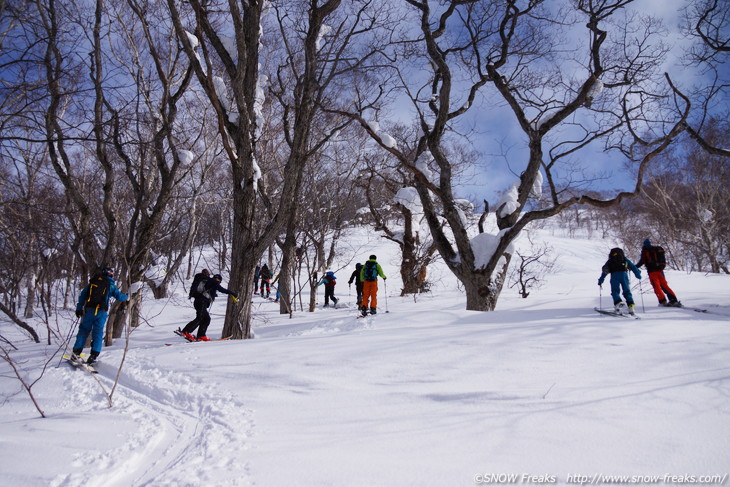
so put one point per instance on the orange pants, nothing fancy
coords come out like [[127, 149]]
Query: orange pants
[[659, 283], [370, 293]]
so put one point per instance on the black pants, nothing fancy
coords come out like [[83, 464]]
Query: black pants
[[358, 289], [329, 292], [202, 318], [265, 283]]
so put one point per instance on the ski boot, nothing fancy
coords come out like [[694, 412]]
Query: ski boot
[[188, 336], [91, 359], [76, 356]]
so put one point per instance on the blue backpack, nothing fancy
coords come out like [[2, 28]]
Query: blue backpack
[[371, 271]]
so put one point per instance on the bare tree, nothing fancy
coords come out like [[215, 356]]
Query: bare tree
[[531, 267], [684, 206], [706, 22], [562, 99], [306, 78], [396, 212]]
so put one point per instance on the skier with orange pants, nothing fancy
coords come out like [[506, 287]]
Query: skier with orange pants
[[369, 276]]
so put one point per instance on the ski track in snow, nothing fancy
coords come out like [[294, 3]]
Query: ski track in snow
[[186, 428]]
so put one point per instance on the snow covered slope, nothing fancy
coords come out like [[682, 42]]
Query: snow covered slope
[[427, 394]]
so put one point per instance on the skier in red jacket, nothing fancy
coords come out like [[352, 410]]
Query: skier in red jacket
[[655, 261]]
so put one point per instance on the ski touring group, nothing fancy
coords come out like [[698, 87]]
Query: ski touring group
[[618, 267], [365, 276], [205, 288], [92, 308]]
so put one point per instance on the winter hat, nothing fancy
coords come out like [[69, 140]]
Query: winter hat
[[372, 257], [358, 265], [647, 243], [218, 277]]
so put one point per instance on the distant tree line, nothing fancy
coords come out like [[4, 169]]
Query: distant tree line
[[684, 206]]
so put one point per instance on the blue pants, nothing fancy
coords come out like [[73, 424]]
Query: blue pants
[[620, 280], [92, 323]]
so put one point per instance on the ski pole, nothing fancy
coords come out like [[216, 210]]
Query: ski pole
[[600, 296], [66, 341], [641, 290], [385, 283]]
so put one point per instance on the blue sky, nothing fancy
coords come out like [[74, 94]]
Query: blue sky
[[496, 130]]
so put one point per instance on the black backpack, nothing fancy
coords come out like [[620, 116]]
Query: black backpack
[[371, 271], [616, 260], [197, 288], [655, 258], [98, 292]]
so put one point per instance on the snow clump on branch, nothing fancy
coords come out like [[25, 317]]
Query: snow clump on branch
[[222, 92], [409, 198], [484, 246], [194, 42], [536, 192], [508, 203], [186, 157], [387, 140], [323, 31]]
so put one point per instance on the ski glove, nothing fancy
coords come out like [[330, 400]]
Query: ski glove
[[234, 298], [600, 282], [638, 275], [79, 313]]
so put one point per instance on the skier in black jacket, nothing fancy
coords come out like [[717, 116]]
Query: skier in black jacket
[[355, 277], [202, 302]]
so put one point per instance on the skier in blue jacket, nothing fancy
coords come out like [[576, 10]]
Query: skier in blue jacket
[[618, 266], [329, 280], [93, 309]]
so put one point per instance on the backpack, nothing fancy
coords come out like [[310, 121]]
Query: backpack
[[655, 258], [197, 288], [98, 291], [616, 260], [371, 271], [331, 280]]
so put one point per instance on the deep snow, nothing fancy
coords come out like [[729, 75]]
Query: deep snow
[[427, 394]]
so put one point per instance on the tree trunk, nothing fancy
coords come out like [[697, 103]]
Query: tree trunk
[[237, 324], [115, 323], [30, 297], [286, 274], [313, 291], [482, 290]]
